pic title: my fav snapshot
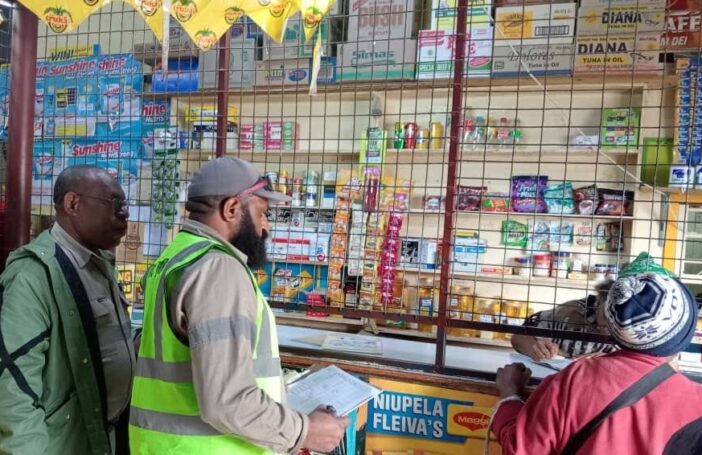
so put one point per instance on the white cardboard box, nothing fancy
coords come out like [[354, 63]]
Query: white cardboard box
[[298, 246], [382, 59], [468, 253], [616, 20], [436, 50], [293, 44], [537, 60], [444, 12], [380, 19], [595, 54], [242, 65], [535, 24]]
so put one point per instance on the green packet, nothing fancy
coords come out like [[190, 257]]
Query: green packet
[[514, 233]]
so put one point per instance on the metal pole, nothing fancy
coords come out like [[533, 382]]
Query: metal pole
[[454, 156], [223, 93], [23, 59]]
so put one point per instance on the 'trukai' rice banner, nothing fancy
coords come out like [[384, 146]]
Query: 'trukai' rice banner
[[204, 20]]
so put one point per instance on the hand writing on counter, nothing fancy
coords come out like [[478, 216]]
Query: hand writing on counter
[[512, 378], [325, 430], [543, 350]]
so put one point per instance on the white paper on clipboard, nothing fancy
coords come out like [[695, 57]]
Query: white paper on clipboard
[[330, 386]]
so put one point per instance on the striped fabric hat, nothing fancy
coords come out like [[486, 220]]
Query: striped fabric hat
[[651, 313]]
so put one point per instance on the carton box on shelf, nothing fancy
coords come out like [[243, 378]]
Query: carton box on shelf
[[535, 24], [615, 20], [242, 65], [611, 3], [436, 51], [381, 59], [298, 246], [275, 73], [683, 26], [444, 12], [617, 53], [293, 44], [468, 253], [537, 60], [380, 19]]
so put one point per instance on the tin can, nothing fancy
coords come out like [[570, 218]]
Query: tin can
[[258, 137], [289, 136], [283, 182], [272, 177], [399, 136], [437, 136], [410, 135], [423, 139], [296, 192]]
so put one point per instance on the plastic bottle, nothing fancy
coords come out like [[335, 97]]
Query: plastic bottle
[[426, 303], [461, 307]]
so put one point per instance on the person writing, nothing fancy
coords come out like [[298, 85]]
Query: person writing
[[586, 315], [209, 377], [630, 402]]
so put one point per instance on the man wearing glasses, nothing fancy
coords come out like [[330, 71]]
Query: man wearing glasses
[[66, 354], [208, 378]]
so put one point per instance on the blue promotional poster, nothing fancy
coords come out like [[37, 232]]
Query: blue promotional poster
[[87, 110]]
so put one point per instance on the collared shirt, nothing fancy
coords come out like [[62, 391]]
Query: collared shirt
[[211, 307], [97, 273]]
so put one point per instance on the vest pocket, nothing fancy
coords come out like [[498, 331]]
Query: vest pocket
[[62, 424]]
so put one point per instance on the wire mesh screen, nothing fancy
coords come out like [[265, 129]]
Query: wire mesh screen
[[426, 200]]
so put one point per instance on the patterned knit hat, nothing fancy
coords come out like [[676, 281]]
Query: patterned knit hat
[[651, 313]]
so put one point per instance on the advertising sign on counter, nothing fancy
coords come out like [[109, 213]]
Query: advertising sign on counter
[[415, 419]]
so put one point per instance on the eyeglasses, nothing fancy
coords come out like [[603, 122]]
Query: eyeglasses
[[118, 204]]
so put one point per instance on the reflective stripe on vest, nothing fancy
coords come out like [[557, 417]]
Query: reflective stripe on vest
[[165, 416]]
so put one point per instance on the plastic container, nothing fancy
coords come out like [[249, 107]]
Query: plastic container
[[515, 312], [561, 264], [426, 303], [542, 264], [600, 271], [612, 272], [523, 266], [461, 307], [486, 310]]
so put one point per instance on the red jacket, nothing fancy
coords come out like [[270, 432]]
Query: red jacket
[[567, 401]]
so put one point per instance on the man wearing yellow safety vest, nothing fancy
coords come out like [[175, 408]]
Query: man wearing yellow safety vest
[[208, 375]]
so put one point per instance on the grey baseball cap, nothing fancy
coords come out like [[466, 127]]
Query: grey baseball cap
[[231, 177]]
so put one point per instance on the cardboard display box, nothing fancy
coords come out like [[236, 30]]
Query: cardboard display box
[[539, 60], [535, 24], [617, 53], [382, 59], [683, 26], [615, 20], [293, 44], [242, 65], [380, 19], [444, 12], [436, 50]]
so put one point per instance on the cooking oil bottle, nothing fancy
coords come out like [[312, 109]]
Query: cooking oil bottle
[[515, 312], [461, 307], [486, 310], [426, 302]]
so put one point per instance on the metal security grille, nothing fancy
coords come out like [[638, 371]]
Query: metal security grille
[[459, 173]]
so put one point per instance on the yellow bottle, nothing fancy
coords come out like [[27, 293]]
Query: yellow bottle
[[461, 307], [515, 312], [426, 303], [486, 310]]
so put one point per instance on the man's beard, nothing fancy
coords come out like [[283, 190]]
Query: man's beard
[[250, 243]]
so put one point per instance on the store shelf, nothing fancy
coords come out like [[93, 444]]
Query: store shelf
[[298, 156], [520, 214], [545, 153], [298, 262], [361, 89], [511, 279]]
